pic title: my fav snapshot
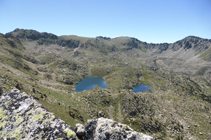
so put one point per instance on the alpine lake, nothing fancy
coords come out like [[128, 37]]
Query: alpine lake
[[89, 83]]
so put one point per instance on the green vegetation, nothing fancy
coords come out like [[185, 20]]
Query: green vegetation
[[206, 55], [180, 59], [39, 65], [201, 71]]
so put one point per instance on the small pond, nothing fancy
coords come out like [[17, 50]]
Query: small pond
[[141, 88], [90, 83]]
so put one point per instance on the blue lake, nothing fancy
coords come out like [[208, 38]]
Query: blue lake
[[141, 88], [90, 83]]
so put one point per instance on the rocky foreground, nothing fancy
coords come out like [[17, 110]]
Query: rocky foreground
[[22, 117]]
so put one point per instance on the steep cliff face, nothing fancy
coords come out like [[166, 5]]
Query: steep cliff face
[[21, 117]]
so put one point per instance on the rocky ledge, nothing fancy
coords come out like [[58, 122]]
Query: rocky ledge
[[22, 117]]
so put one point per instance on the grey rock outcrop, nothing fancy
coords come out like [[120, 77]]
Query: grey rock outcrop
[[104, 129], [80, 131], [22, 117]]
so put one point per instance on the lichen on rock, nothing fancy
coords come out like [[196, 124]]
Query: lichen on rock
[[21, 117], [69, 133]]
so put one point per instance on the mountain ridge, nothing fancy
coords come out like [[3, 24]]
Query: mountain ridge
[[53, 36], [191, 42]]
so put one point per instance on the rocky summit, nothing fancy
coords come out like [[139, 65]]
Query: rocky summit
[[22, 117]]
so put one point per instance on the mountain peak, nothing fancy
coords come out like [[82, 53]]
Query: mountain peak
[[30, 34], [192, 37]]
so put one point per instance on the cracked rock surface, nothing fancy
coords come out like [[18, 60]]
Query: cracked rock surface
[[22, 117]]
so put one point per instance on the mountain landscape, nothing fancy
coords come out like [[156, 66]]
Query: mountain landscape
[[47, 67]]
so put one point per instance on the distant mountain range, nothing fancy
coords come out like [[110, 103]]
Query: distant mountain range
[[200, 46]]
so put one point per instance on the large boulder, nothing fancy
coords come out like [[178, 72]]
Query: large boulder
[[22, 117], [104, 129], [80, 130]]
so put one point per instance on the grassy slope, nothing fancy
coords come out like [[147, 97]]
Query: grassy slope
[[184, 108]]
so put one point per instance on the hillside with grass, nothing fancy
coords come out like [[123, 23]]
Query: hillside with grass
[[47, 67]]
